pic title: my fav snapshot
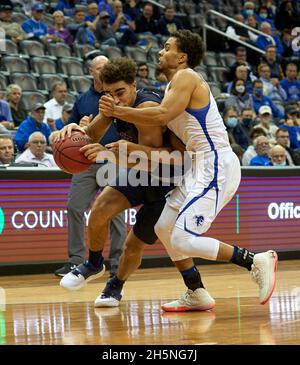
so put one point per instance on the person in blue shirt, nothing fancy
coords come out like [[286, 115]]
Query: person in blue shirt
[[262, 148], [66, 6], [62, 121], [93, 11], [290, 84], [33, 123], [168, 23], [259, 100], [262, 42], [85, 186], [34, 27]]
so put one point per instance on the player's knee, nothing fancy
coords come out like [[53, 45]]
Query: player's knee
[[133, 250], [179, 238]]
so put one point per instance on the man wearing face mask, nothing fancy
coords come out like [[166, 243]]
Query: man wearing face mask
[[262, 148], [235, 130], [248, 119], [248, 9], [278, 156], [259, 100]]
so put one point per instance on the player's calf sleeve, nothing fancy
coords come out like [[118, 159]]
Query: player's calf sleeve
[[194, 246], [192, 278], [242, 257]]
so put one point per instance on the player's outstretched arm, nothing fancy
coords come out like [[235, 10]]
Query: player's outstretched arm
[[98, 127], [174, 103]]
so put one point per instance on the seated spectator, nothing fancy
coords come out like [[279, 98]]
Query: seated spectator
[[234, 128], [58, 31], [262, 41], [252, 22], [12, 29], [36, 152], [161, 81], [286, 40], [82, 31], [18, 111], [54, 106], [168, 23], [242, 73], [239, 97], [283, 139], [6, 149], [273, 60], [292, 124], [34, 27], [145, 22], [6, 119], [241, 59], [266, 123], [66, 112], [278, 156], [131, 8], [287, 15], [250, 151], [142, 78], [271, 86], [262, 149], [263, 16], [237, 31], [104, 33], [120, 21], [248, 119], [67, 7], [290, 84], [33, 123], [93, 12], [259, 100], [292, 113], [248, 9]]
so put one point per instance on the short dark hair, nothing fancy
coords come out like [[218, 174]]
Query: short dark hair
[[281, 129], [191, 44], [256, 130], [119, 69]]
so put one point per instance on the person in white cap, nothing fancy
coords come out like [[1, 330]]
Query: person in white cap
[[266, 123]]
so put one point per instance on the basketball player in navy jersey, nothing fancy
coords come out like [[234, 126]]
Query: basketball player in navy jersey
[[189, 110], [118, 79]]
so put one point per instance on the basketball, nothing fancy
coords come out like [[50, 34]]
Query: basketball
[[67, 155]]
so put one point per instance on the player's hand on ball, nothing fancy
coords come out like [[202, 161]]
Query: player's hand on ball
[[107, 106], [122, 146], [91, 151], [67, 131]]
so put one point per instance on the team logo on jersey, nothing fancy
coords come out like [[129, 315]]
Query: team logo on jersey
[[199, 220]]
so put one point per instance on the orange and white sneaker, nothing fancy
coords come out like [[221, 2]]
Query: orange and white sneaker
[[263, 272], [198, 300]]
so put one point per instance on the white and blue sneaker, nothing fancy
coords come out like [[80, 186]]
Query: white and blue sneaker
[[110, 296], [81, 275]]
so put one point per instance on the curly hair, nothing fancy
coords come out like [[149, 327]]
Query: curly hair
[[119, 69], [191, 44]]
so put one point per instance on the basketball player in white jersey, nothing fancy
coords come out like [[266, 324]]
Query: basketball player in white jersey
[[190, 111]]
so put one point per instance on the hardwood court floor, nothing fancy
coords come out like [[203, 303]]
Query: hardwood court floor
[[36, 310]]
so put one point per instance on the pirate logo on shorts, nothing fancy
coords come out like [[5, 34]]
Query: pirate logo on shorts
[[199, 220]]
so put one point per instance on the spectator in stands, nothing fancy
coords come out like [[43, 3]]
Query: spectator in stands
[[252, 22], [145, 23], [142, 78], [58, 31], [248, 119], [13, 30], [66, 112], [13, 96], [266, 123], [241, 73], [271, 86], [168, 23], [33, 123], [82, 31], [104, 33], [241, 59], [262, 41], [234, 128], [290, 84], [54, 106], [278, 156], [131, 8], [259, 100], [36, 152], [238, 150], [237, 31], [292, 112], [239, 97], [248, 9], [106, 5], [6, 149], [93, 12], [34, 27], [286, 40], [67, 7], [161, 81], [6, 120], [292, 124], [287, 16], [283, 139], [250, 151], [273, 61], [262, 148], [263, 16]]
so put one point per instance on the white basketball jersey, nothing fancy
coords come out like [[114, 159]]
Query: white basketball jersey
[[201, 129]]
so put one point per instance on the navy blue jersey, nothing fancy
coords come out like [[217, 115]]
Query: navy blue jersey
[[128, 131]]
